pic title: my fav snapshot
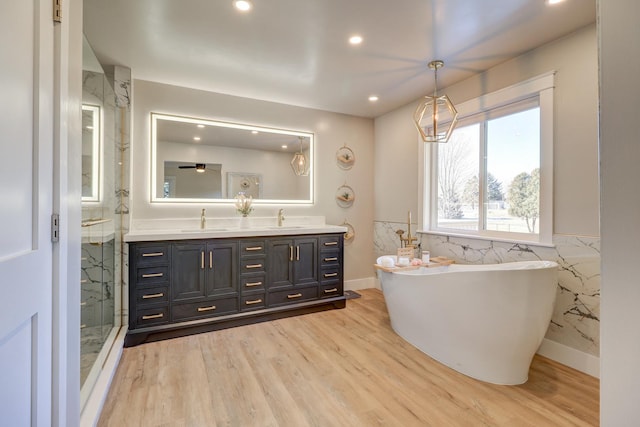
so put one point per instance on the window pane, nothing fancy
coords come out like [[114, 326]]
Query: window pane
[[512, 193], [458, 173]]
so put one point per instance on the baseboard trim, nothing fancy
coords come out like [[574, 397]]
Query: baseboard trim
[[576, 359], [91, 412], [357, 284]]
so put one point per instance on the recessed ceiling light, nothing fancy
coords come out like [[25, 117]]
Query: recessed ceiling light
[[196, 138], [255, 132], [554, 1], [284, 147], [89, 127], [201, 126], [355, 39], [373, 98], [242, 5]]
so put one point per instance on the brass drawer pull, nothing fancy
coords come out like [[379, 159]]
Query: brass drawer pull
[[292, 296], [201, 309], [150, 275], [330, 259], [253, 248], [202, 260], [210, 260], [153, 316], [255, 301], [330, 243], [330, 274], [297, 253], [158, 295], [250, 284], [153, 254], [290, 253], [253, 266], [328, 291]]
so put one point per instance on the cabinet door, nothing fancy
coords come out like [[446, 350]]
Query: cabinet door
[[305, 265], [188, 271], [280, 256], [221, 261]]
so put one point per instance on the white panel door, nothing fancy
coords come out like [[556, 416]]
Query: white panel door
[[26, 159]]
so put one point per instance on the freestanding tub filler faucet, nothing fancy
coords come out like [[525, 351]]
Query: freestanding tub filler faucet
[[280, 217], [203, 220]]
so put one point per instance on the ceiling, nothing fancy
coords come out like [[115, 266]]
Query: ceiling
[[297, 52]]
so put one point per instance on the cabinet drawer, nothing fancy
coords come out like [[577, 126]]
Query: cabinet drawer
[[152, 275], [253, 302], [331, 275], [152, 316], [209, 308], [330, 242], [152, 295], [155, 254], [332, 290], [291, 296], [252, 283], [330, 258], [252, 265], [252, 247]]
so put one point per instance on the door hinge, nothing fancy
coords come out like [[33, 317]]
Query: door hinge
[[55, 228], [57, 10]]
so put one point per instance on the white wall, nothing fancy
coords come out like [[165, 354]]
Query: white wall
[[576, 197], [619, 33], [331, 131]]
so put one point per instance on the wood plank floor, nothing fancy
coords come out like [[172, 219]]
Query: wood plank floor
[[335, 368]]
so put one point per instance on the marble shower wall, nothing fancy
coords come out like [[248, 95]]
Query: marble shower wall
[[576, 318], [121, 79]]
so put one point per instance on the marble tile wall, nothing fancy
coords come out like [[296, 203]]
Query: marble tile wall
[[97, 299], [121, 78], [576, 319]]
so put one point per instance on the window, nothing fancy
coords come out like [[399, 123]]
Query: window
[[493, 178]]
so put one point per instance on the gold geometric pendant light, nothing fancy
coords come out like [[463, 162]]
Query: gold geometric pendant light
[[435, 117], [299, 163]]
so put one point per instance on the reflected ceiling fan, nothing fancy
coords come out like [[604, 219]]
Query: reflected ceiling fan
[[199, 167]]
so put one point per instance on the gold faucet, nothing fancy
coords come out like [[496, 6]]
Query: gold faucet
[[203, 220], [407, 242], [280, 217]]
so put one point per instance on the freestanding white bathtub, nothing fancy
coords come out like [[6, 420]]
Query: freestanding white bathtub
[[485, 321]]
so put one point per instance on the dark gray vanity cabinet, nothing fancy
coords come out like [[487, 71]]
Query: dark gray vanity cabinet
[[253, 274], [203, 279], [293, 262], [188, 286], [293, 270]]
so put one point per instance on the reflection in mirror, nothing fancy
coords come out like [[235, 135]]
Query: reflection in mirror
[[196, 160], [192, 180], [90, 153]]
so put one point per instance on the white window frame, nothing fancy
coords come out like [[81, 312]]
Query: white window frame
[[542, 87]]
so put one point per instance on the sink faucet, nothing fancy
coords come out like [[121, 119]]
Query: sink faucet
[[203, 220], [280, 217]]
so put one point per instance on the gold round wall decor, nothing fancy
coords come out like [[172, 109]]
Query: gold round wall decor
[[351, 232], [345, 158], [345, 196]]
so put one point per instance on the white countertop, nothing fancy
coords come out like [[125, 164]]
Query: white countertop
[[175, 229]]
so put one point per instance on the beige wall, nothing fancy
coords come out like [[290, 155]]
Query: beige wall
[[331, 131], [620, 175], [576, 195]]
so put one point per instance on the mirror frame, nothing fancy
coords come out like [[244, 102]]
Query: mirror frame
[[210, 122], [96, 155]]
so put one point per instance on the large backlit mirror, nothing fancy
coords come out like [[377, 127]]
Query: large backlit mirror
[[198, 160], [90, 153]]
